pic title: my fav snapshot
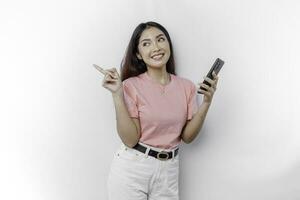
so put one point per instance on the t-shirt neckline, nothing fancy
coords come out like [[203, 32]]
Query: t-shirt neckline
[[155, 82]]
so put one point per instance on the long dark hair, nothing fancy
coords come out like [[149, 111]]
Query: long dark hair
[[131, 65]]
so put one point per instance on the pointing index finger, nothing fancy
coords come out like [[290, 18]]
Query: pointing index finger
[[100, 69]]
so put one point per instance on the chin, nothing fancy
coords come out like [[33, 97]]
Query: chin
[[157, 64]]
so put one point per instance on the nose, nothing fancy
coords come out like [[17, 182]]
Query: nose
[[155, 46]]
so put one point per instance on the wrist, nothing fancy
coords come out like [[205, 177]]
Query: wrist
[[118, 93], [206, 103]]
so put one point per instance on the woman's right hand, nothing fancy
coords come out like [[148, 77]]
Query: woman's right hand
[[111, 80]]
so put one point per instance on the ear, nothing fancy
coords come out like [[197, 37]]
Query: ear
[[139, 56]]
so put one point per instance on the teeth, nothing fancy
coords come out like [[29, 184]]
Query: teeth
[[158, 56]]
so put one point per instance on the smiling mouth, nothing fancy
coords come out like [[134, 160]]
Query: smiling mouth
[[158, 56]]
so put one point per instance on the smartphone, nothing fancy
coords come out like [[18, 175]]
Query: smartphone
[[216, 67]]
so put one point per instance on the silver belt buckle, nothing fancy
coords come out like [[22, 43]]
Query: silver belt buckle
[[165, 157]]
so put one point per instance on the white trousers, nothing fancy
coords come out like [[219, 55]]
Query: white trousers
[[136, 176]]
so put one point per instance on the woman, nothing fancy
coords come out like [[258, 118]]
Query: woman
[[155, 110]]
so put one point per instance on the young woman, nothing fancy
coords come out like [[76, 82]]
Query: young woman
[[155, 110]]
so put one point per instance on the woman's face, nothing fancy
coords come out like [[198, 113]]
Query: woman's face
[[153, 47]]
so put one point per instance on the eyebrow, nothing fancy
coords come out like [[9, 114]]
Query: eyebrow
[[156, 37]]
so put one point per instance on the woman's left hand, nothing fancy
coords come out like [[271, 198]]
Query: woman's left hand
[[208, 95]]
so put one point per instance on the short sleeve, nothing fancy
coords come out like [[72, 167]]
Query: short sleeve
[[130, 99], [192, 106]]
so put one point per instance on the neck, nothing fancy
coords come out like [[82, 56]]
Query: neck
[[159, 75]]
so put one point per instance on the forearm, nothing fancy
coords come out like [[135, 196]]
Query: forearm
[[193, 127], [126, 128]]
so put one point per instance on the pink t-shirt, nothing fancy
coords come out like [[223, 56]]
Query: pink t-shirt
[[162, 115]]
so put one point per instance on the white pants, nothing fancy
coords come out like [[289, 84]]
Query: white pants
[[135, 176]]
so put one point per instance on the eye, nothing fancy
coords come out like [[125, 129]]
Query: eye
[[163, 39], [145, 43]]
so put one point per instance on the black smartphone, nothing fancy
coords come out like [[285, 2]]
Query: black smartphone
[[216, 67]]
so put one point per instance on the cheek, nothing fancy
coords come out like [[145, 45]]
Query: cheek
[[145, 53], [166, 46], [141, 51]]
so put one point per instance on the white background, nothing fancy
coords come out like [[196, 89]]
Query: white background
[[58, 128]]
